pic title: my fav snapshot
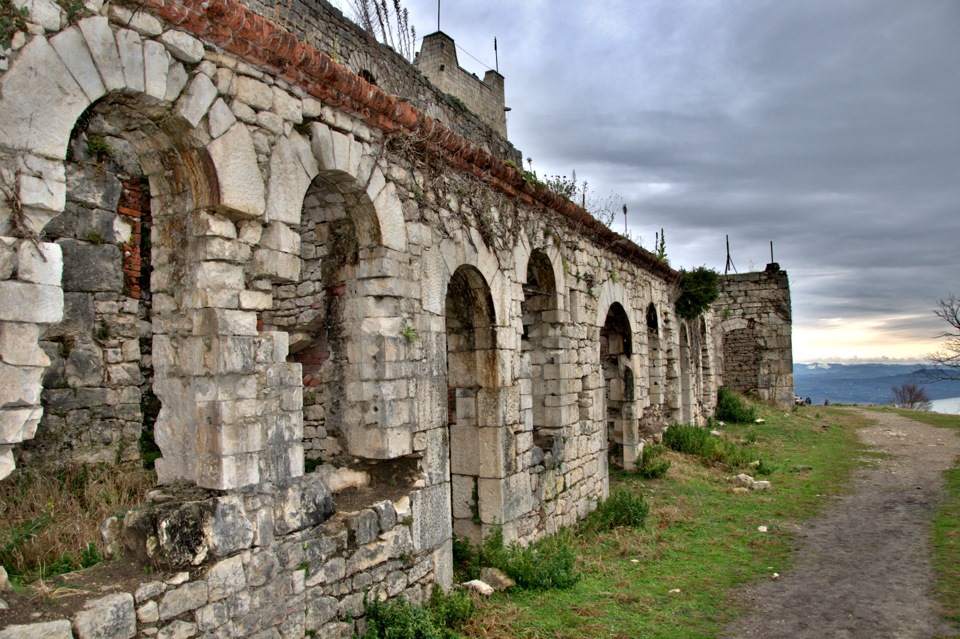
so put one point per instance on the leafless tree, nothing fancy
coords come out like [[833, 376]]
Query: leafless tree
[[388, 23], [911, 395], [945, 363]]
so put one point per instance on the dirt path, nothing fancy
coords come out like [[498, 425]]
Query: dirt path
[[862, 569]]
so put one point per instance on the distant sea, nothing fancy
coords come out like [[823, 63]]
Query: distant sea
[[950, 405]]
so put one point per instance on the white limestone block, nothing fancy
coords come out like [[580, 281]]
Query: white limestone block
[[218, 275], [286, 106], [241, 184], [156, 63], [19, 345], [220, 118], [40, 102], [6, 467], [253, 92], [280, 237], [289, 182], [45, 13], [40, 193], [276, 265], [197, 100], [130, 46], [140, 21], [73, 51], [341, 152], [220, 321], [322, 145], [20, 385], [255, 301], [19, 424], [40, 264], [59, 629], [393, 230], [26, 302], [103, 47], [176, 79], [271, 122], [182, 46]]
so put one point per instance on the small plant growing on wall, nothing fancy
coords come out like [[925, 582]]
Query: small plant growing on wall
[[98, 147], [12, 19], [699, 289], [409, 334]]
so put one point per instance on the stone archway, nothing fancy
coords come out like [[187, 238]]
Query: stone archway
[[616, 352], [472, 382]]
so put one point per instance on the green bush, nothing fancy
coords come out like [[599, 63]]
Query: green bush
[[400, 619], [699, 289], [732, 408], [652, 466], [546, 564], [694, 440], [623, 509], [687, 439]]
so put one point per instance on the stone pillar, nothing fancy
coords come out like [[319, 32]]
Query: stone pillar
[[30, 298]]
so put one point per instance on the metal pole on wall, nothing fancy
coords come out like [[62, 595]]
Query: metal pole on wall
[[771, 252], [438, 15]]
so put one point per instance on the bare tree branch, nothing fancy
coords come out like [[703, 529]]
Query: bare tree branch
[[945, 363]]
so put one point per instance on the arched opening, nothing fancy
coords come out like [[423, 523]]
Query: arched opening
[[687, 395], [708, 384], [542, 356], [616, 350], [471, 376], [314, 311], [653, 412]]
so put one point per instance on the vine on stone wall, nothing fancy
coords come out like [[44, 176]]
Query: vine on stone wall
[[699, 289]]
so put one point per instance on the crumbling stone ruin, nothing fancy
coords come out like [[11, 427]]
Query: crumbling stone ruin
[[323, 286]]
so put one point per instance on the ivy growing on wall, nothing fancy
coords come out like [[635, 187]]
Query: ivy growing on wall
[[699, 289]]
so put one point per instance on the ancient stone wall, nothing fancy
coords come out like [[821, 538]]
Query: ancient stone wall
[[755, 335], [343, 304], [323, 26]]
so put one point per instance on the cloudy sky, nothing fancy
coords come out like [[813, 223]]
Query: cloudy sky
[[829, 127]]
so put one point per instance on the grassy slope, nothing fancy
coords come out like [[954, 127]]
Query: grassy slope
[[701, 538]]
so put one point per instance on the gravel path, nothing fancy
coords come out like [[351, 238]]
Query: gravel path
[[862, 569]]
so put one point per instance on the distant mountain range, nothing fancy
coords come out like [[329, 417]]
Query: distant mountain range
[[862, 383]]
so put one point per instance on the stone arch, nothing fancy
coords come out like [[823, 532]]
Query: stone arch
[[475, 427], [544, 359], [344, 313], [203, 170], [616, 353]]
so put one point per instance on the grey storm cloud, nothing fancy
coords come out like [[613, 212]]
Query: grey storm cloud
[[830, 128]]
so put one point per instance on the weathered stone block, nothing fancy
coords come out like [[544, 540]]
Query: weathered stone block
[[91, 267], [59, 629], [39, 264], [110, 617], [183, 599], [182, 46]]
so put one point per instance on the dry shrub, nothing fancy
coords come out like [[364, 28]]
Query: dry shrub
[[49, 517]]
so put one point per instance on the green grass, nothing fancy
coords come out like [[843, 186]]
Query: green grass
[[945, 529], [700, 538]]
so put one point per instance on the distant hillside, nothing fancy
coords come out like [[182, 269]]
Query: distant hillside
[[862, 383]]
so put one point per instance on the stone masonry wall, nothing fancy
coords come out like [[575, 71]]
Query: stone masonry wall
[[438, 62], [755, 335], [334, 277], [323, 26]]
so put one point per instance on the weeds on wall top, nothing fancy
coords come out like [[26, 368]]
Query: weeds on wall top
[[699, 289]]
